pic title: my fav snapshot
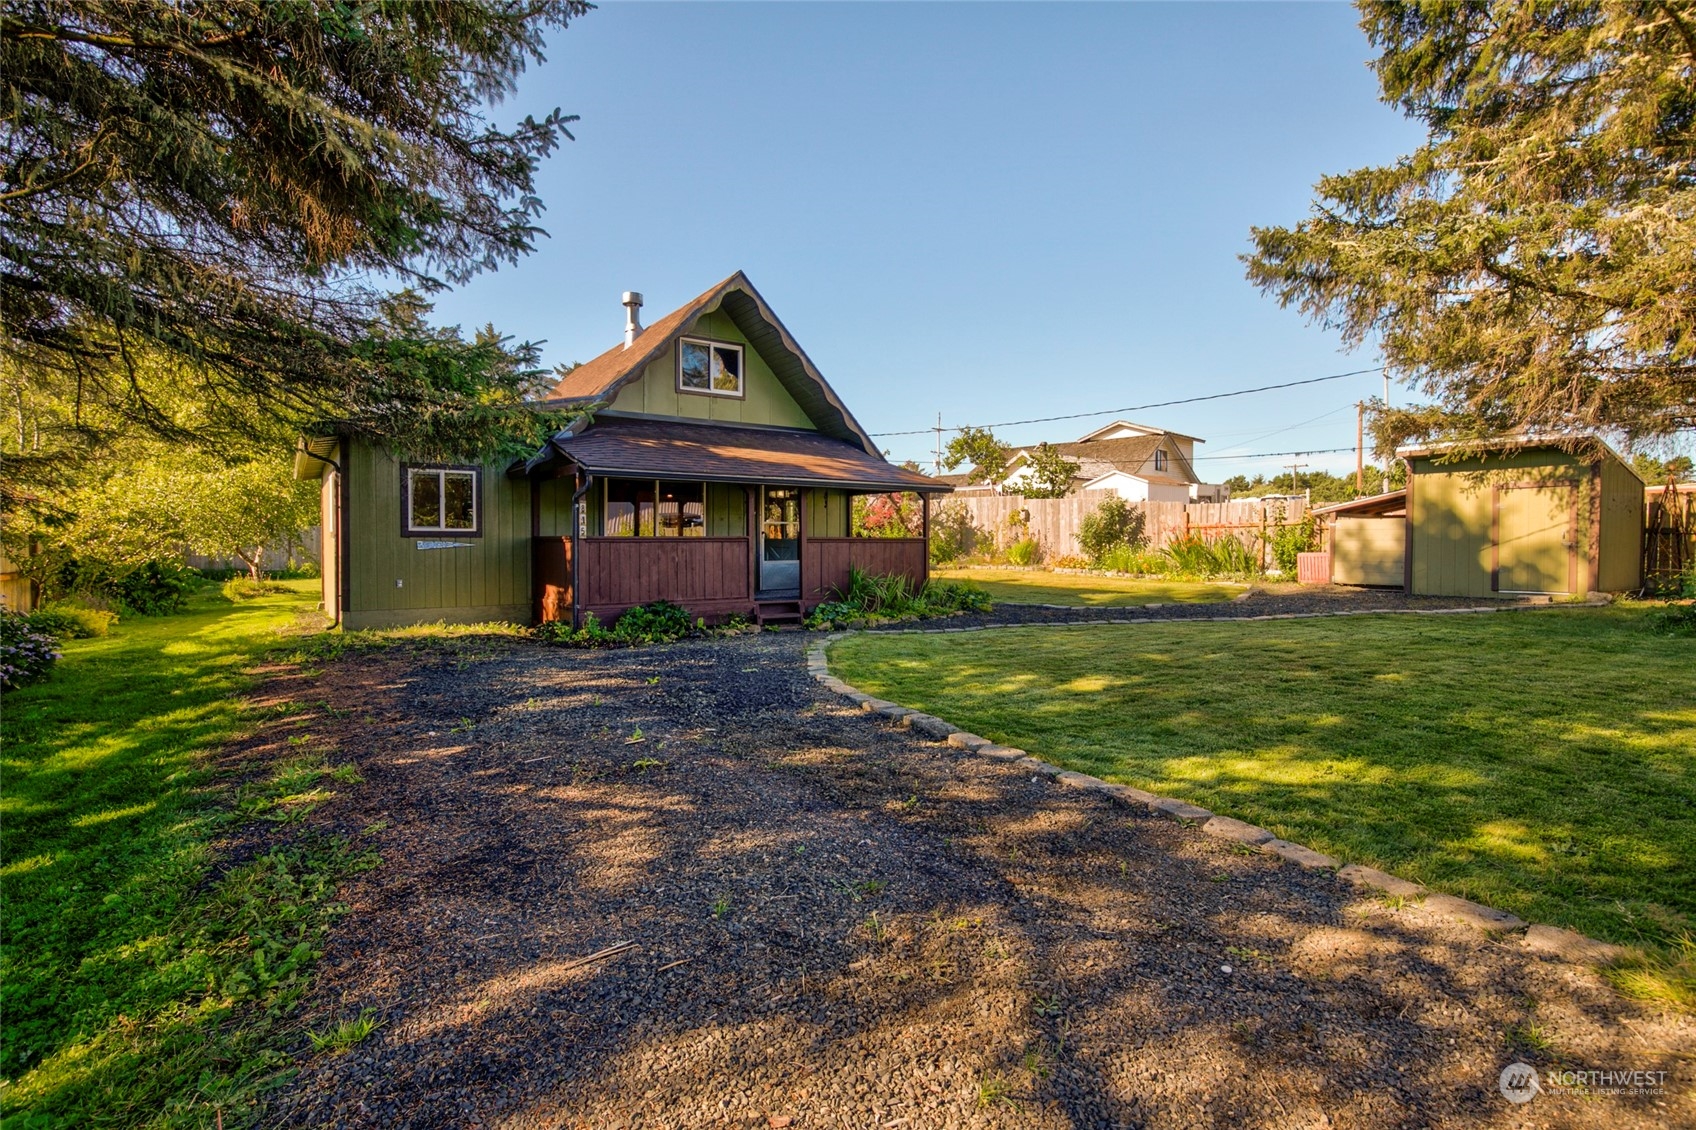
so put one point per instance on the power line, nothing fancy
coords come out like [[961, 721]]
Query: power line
[[1270, 454], [1141, 407]]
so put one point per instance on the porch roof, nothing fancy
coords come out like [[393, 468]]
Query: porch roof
[[638, 448]]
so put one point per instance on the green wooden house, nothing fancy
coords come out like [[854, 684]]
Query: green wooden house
[[715, 468], [1531, 517]]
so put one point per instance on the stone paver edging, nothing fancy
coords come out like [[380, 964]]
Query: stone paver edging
[[1545, 941]]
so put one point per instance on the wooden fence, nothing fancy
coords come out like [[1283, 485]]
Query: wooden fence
[[1001, 519]]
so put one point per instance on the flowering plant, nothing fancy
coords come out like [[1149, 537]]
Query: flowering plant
[[26, 653]]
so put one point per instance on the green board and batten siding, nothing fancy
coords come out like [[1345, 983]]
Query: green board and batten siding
[[1525, 520], [488, 578], [765, 400]]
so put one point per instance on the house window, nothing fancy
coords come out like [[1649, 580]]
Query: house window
[[710, 367], [644, 508], [1160, 459], [443, 500]]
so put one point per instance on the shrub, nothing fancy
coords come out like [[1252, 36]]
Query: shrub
[[894, 597], [1124, 559], [952, 535], [244, 587], [1676, 620], [27, 653], [1190, 555], [1069, 561], [1025, 551], [1287, 541], [71, 621], [156, 588], [1113, 524], [658, 622], [1232, 556]]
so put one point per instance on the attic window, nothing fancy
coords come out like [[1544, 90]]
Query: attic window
[[442, 500], [1160, 459], [710, 367]]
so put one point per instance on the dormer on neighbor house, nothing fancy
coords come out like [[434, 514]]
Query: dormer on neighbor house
[[1141, 463]]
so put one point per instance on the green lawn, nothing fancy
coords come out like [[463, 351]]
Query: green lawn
[[1028, 586], [1542, 762], [141, 982]]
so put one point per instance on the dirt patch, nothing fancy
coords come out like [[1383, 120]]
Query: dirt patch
[[837, 924]]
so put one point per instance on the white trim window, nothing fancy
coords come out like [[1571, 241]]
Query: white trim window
[[443, 500], [713, 368]]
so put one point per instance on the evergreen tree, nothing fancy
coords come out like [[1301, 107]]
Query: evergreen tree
[[1533, 265], [192, 194]]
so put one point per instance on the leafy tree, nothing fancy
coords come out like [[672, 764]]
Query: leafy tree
[[1533, 265], [164, 505], [1048, 473], [979, 448], [191, 194], [1656, 471], [1112, 525]]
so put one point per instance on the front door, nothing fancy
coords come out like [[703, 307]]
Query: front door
[[780, 542], [1536, 538]]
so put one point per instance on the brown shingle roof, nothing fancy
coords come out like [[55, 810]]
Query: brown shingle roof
[[598, 381], [633, 447]]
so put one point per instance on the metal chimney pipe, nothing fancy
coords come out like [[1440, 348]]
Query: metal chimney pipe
[[632, 317]]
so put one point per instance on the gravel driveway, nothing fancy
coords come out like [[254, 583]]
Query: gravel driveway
[[836, 924]]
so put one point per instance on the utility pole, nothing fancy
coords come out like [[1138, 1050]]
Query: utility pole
[[1387, 455], [936, 452], [1360, 447], [1294, 467]]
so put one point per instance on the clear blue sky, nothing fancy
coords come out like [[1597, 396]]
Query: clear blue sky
[[995, 211]]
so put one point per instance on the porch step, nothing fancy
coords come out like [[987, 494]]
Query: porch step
[[778, 612]]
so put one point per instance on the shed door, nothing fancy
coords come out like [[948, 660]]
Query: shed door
[[1536, 546]]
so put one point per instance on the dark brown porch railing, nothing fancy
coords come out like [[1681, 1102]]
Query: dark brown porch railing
[[825, 562], [711, 577]]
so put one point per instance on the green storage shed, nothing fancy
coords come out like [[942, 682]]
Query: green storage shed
[[1532, 516]]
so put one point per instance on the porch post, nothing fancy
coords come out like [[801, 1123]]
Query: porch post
[[801, 538], [924, 508], [753, 491]]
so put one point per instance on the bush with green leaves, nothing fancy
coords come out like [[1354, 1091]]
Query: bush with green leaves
[[1115, 524], [244, 587], [657, 622], [870, 596], [1125, 559], [1025, 551], [952, 534], [72, 621], [1290, 540], [27, 653], [1194, 556]]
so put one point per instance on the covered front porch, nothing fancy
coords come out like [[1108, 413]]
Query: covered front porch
[[649, 513]]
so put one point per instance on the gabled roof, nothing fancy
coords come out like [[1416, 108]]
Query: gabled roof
[[598, 381], [1099, 457], [633, 447], [1143, 428]]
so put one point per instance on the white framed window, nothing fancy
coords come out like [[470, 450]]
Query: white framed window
[[712, 368], [1160, 459], [442, 500]]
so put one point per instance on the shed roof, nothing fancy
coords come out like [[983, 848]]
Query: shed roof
[[646, 448], [1390, 502], [1571, 443], [598, 381]]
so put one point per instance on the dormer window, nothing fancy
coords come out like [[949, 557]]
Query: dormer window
[[1160, 459], [710, 367]]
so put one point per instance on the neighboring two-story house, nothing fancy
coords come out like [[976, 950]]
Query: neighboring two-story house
[[1141, 463]]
